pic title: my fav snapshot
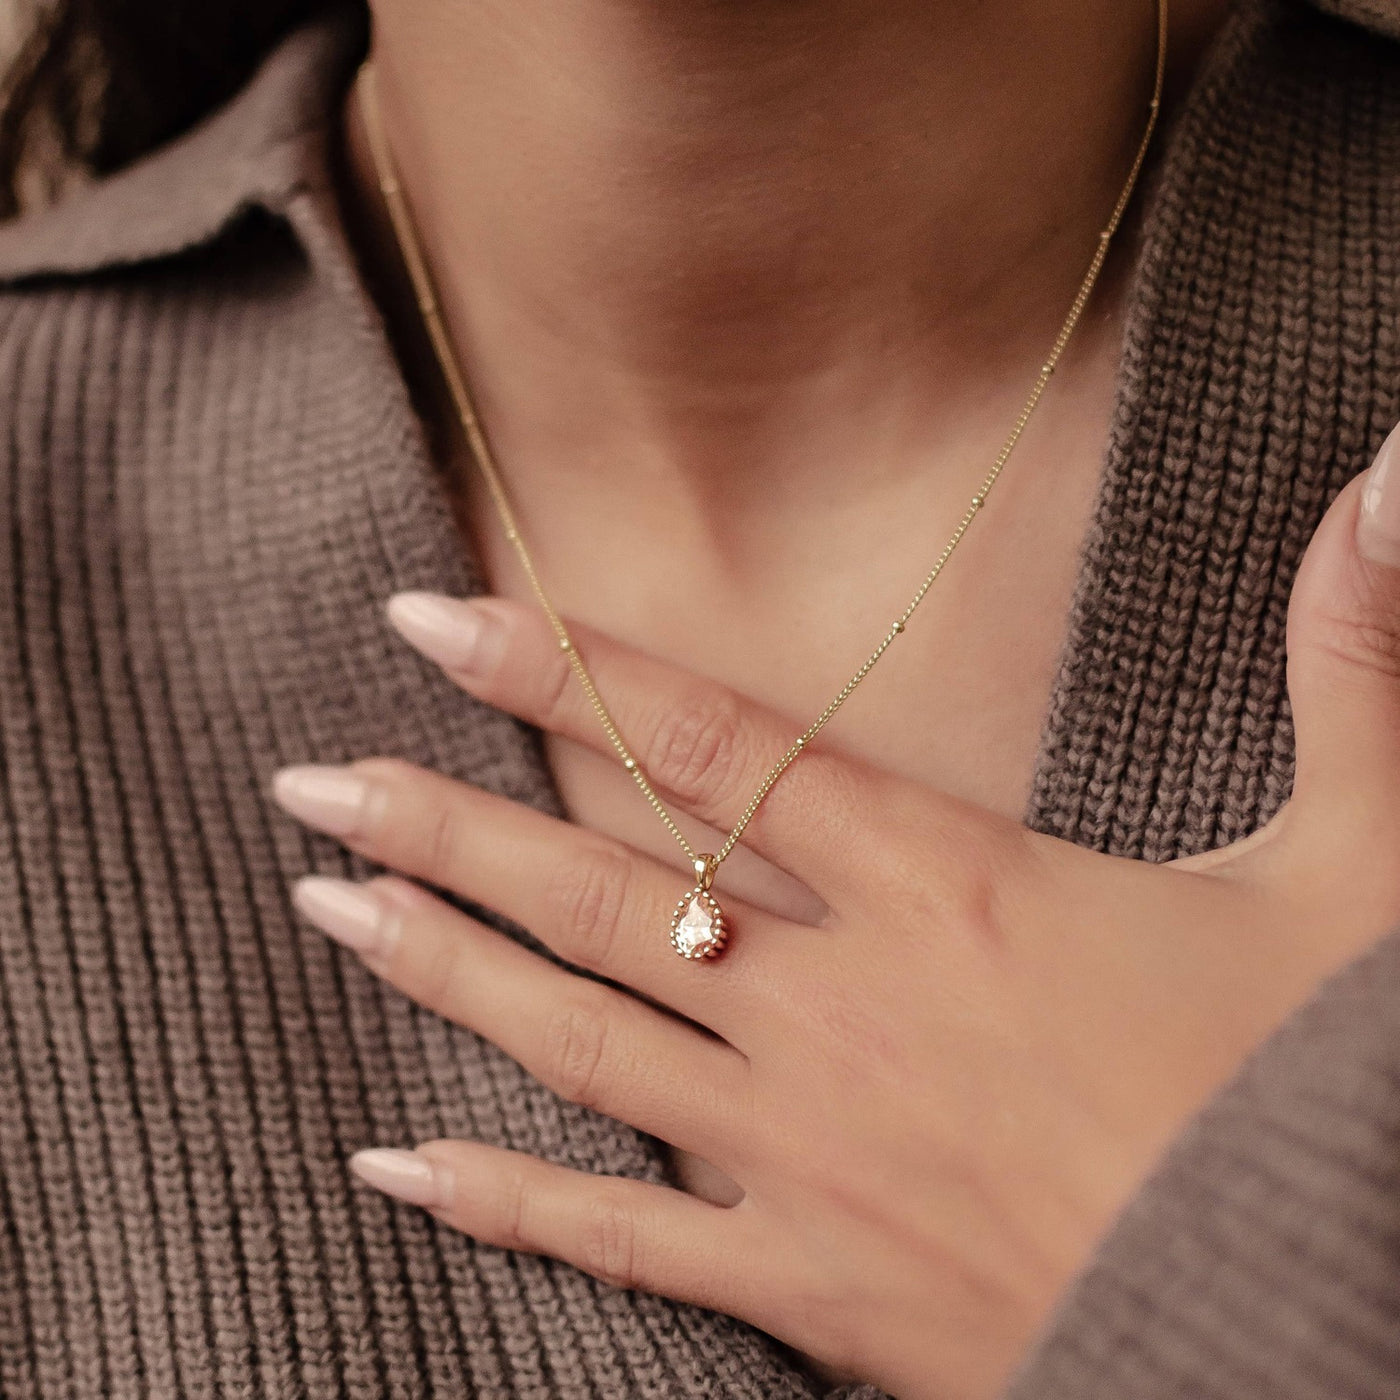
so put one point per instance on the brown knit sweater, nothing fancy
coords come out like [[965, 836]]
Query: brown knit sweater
[[211, 477]]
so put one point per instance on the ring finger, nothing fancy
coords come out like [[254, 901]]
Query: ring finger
[[591, 1043], [594, 901]]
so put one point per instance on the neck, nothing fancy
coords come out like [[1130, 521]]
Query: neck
[[691, 239]]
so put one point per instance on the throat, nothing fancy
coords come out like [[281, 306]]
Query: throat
[[710, 248], [745, 289], [959, 702]]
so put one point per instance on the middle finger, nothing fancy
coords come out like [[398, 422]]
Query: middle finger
[[596, 902]]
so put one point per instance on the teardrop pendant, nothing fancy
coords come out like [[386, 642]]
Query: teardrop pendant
[[698, 927]]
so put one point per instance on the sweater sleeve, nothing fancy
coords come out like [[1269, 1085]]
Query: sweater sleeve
[[1262, 1256]]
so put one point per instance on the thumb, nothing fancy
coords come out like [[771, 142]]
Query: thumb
[[1344, 667]]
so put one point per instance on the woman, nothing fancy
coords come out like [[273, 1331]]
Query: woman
[[748, 298]]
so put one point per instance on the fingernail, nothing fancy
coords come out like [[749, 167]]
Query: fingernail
[[453, 632], [404, 1175], [349, 913], [329, 798], [1378, 525]]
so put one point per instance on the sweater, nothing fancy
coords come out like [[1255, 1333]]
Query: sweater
[[211, 478]]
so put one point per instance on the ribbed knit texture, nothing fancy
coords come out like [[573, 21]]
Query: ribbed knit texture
[[211, 478], [1261, 371]]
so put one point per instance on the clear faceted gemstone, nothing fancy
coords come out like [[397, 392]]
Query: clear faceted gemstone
[[696, 930]]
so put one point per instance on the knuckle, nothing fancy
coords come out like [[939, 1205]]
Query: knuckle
[[591, 896], [1366, 641], [435, 981], [511, 1210], [949, 880], [443, 838], [697, 745], [808, 1302], [575, 1049], [555, 698], [608, 1243]]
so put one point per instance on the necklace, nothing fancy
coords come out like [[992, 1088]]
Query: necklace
[[699, 928]]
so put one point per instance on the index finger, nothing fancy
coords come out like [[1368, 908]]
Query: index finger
[[699, 743]]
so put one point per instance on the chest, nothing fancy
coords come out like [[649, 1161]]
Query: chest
[[958, 702]]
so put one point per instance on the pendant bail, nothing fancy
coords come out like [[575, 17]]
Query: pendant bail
[[705, 867]]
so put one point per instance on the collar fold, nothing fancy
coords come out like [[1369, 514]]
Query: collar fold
[[254, 151]]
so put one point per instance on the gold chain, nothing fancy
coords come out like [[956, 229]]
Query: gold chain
[[412, 254]]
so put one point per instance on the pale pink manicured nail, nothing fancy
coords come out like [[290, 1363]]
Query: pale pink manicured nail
[[329, 798], [404, 1175], [1378, 525], [453, 632], [349, 913]]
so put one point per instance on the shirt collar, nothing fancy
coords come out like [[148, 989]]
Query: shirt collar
[[256, 150]]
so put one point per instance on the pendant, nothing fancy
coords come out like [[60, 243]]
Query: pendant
[[698, 927]]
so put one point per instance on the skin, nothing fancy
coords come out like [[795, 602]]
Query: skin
[[756, 403], [775, 409], [768, 413], [936, 1097]]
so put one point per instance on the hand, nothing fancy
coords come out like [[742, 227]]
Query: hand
[[936, 1097]]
